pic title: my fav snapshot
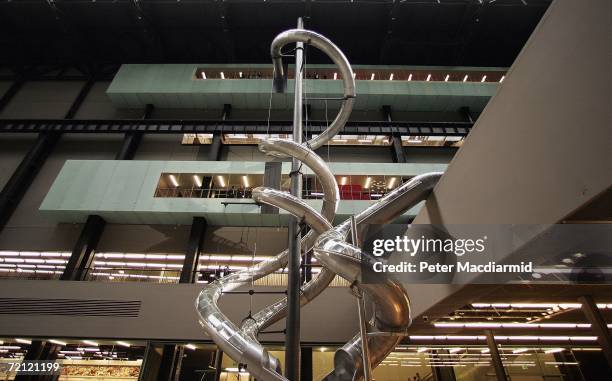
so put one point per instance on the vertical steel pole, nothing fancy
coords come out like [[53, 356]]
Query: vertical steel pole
[[363, 322], [498, 365], [292, 341]]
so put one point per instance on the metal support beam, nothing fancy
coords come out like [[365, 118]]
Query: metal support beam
[[10, 93], [218, 364], [500, 372], [292, 341], [20, 181], [467, 114], [363, 321], [306, 364], [227, 110], [599, 325], [82, 253], [214, 154], [39, 350], [74, 108], [132, 139], [171, 361], [194, 246], [397, 150], [179, 126]]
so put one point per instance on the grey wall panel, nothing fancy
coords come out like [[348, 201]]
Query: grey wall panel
[[185, 113], [13, 148], [244, 153], [97, 105], [27, 223], [355, 154], [42, 99], [144, 238], [441, 155], [165, 147], [167, 312]]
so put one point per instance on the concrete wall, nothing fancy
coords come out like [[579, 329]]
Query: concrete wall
[[552, 114]]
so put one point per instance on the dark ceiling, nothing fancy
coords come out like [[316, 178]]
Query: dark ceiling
[[409, 32]]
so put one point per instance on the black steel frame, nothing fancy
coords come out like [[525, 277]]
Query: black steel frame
[[167, 126]]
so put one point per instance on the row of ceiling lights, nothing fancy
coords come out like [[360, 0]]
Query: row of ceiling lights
[[447, 77], [515, 325]]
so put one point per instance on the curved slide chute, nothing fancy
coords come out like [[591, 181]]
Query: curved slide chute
[[337, 256]]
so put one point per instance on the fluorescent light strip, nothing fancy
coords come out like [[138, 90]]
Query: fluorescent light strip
[[372, 77], [197, 180], [367, 182], [391, 77], [465, 78], [446, 78], [245, 181], [410, 77], [173, 180], [335, 76], [515, 325], [428, 77]]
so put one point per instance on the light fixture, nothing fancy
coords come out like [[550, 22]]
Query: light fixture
[[372, 77], [354, 75], [221, 181], [520, 350], [428, 77], [502, 78], [190, 346], [222, 75], [486, 350], [323, 349], [422, 349], [335, 76], [197, 180], [124, 344], [203, 75], [392, 182], [465, 78], [23, 341], [455, 350], [343, 180], [446, 78], [245, 181], [240, 74], [391, 77], [89, 342], [173, 180], [410, 77], [554, 350], [484, 78], [58, 342], [367, 182]]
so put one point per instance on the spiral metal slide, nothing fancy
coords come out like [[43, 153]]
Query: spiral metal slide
[[329, 245]]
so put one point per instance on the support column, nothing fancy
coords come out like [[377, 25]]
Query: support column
[[171, 360], [500, 372], [306, 364], [397, 150], [39, 350], [292, 341], [10, 93], [20, 181], [218, 364], [446, 373], [598, 325], [76, 104], [214, 154], [132, 139], [196, 237], [82, 253]]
